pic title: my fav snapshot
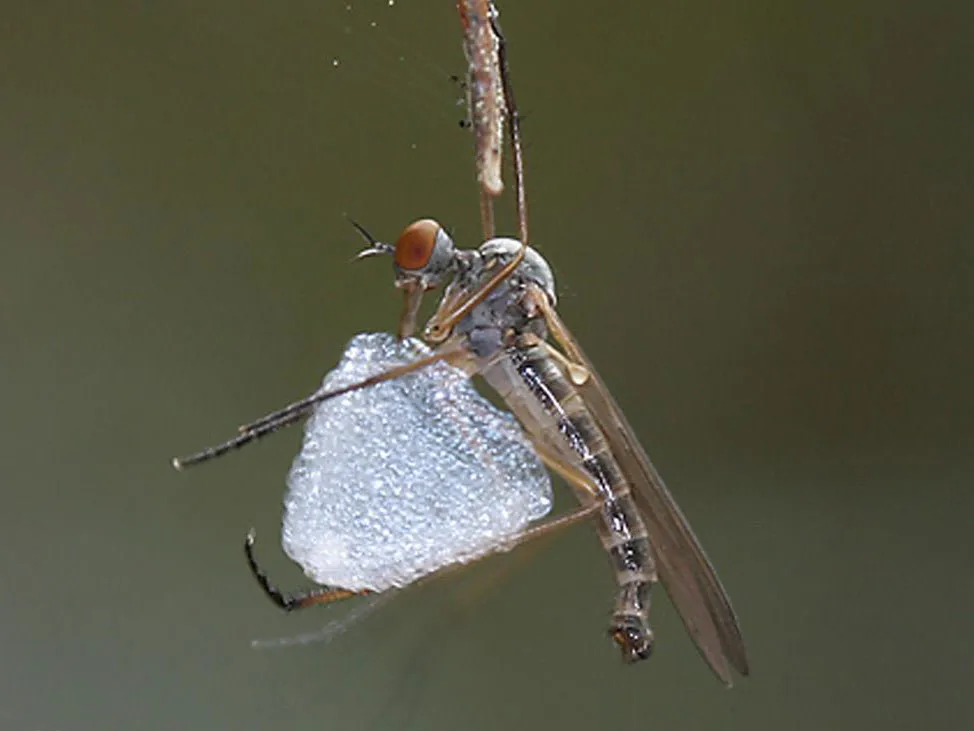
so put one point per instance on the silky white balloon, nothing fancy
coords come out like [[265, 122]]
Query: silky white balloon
[[397, 480]]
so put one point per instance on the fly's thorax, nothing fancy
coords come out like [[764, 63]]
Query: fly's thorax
[[508, 313], [534, 268], [491, 325], [508, 318]]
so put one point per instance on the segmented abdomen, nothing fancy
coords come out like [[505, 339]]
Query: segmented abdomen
[[553, 413]]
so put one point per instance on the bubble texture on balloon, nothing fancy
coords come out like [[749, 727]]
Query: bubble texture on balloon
[[399, 479]]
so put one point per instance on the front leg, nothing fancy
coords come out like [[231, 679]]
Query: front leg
[[298, 600]]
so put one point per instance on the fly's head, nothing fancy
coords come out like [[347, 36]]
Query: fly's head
[[424, 258]]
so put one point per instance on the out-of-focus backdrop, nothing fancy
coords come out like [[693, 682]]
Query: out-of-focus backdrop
[[760, 217]]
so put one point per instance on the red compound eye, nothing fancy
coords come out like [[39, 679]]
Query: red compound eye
[[415, 244]]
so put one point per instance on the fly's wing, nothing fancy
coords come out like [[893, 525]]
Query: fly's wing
[[685, 570]]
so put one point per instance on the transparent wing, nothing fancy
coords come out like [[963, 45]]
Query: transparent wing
[[683, 566], [403, 478], [363, 609]]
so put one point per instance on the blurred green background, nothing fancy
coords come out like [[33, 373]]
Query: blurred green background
[[760, 218]]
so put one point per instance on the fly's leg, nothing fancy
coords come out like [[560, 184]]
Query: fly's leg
[[444, 320], [514, 131], [328, 594], [573, 354], [299, 409], [304, 405], [525, 541], [297, 600], [490, 97], [577, 373], [550, 526]]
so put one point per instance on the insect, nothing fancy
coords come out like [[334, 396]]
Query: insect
[[497, 319]]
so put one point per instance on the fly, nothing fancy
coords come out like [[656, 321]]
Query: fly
[[497, 318]]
